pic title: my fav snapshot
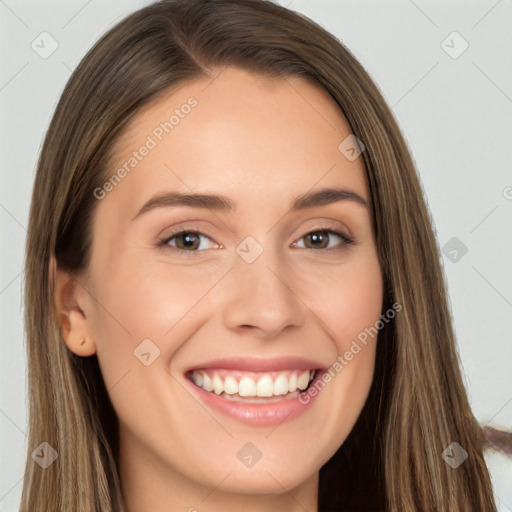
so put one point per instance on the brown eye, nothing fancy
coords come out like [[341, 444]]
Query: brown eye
[[190, 241], [184, 241], [320, 239]]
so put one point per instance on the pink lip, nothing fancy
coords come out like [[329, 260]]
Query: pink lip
[[257, 414], [251, 364]]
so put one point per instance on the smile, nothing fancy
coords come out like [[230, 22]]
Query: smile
[[255, 391], [244, 385]]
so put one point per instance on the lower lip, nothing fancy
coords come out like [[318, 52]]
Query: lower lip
[[256, 414]]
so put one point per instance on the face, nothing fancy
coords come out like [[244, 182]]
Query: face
[[210, 316]]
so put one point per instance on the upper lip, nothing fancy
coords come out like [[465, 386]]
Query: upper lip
[[252, 364]]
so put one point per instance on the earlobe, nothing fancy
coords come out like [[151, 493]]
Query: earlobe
[[69, 301], [77, 335]]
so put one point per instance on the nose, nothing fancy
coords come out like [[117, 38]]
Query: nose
[[261, 296]]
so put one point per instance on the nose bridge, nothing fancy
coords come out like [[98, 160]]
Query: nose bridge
[[260, 294]]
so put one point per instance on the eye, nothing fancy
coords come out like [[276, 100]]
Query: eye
[[190, 241], [319, 238], [185, 240]]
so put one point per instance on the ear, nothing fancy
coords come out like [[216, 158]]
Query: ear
[[69, 299]]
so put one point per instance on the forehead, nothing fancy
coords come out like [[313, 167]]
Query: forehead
[[236, 131]]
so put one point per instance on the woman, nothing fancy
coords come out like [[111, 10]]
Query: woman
[[258, 372]]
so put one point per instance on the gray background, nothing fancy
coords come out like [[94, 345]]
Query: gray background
[[455, 111]]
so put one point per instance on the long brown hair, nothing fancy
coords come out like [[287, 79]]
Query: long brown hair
[[417, 405]]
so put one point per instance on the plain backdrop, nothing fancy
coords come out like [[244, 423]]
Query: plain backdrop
[[444, 67]]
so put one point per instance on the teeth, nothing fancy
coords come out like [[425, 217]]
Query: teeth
[[248, 384], [230, 385], [247, 387], [207, 383], [265, 386], [292, 383], [218, 385], [303, 381], [281, 384], [197, 378]]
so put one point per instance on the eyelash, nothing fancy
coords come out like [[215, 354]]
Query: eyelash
[[346, 240]]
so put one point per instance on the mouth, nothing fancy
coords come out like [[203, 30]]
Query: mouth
[[256, 391], [253, 387]]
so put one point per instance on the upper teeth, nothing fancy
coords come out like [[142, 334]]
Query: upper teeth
[[252, 384]]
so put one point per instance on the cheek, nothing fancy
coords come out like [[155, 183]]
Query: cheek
[[138, 299], [146, 299], [352, 300], [351, 311], [361, 302]]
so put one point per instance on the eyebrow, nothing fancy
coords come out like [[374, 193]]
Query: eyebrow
[[216, 202]]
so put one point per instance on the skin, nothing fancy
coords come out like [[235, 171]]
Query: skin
[[262, 142]]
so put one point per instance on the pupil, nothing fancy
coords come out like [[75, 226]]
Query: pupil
[[188, 238], [315, 237]]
